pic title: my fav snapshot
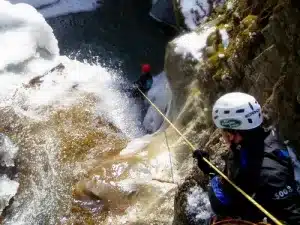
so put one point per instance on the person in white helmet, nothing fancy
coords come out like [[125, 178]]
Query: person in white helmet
[[258, 162]]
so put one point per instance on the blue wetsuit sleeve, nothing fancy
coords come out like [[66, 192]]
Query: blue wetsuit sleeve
[[220, 201], [218, 191]]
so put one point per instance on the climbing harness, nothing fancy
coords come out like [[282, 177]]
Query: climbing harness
[[262, 209]]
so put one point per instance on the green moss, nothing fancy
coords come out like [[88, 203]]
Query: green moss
[[221, 26], [211, 39], [215, 64], [249, 23], [218, 75], [195, 91], [214, 60]]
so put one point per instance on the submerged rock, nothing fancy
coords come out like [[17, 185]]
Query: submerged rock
[[8, 151], [8, 171], [8, 189]]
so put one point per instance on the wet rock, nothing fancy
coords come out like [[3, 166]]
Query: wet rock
[[8, 189], [184, 212], [8, 172], [262, 58], [36, 81], [8, 151]]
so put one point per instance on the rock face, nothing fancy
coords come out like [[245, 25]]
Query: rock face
[[262, 58]]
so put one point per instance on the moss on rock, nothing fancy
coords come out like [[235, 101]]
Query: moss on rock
[[262, 58]]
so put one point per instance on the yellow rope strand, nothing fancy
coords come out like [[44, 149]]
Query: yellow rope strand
[[276, 221]]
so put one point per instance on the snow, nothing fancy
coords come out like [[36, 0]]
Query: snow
[[192, 44], [190, 9], [229, 5], [35, 3], [54, 8], [160, 95], [225, 37], [24, 35], [196, 12], [198, 205]]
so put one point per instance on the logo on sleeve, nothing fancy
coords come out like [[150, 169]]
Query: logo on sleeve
[[282, 194]]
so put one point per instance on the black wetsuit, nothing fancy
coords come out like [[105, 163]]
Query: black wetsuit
[[262, 168], [144, 83]]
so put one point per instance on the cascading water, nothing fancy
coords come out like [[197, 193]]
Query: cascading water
[[82, 158], [82, 154]]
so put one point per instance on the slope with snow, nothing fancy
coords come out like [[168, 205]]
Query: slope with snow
[[54, 8], [25, 36], [196, 12]]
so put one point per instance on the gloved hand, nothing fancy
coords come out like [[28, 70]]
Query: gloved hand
[[199, 154]]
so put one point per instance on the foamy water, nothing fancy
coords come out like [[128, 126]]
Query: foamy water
[[70, 123]]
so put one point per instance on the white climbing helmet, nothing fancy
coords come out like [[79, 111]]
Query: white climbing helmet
[[237, 111]]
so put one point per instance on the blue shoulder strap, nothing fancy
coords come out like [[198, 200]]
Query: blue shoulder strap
[[296, 164]]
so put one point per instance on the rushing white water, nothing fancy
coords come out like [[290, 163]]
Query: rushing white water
[[29, 102]]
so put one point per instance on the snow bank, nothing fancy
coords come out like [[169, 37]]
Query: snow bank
[[196, 12], [192, 44], [29, 50], [54, 8], [160, 95], [8, 189], [36, 3], [198, 206], [24, 36]]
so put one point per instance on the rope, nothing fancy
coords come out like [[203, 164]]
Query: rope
[[170, 157], [262, 209]]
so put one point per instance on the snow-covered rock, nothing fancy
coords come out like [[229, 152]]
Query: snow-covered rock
[[54, 8], [192, 44], [196, 12], [24, 37]]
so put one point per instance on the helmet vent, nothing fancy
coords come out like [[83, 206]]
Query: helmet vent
[[226, 111], [250, 120], [251, 106], [259, 115], [216, 111], [216, 117], [240, 110]]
